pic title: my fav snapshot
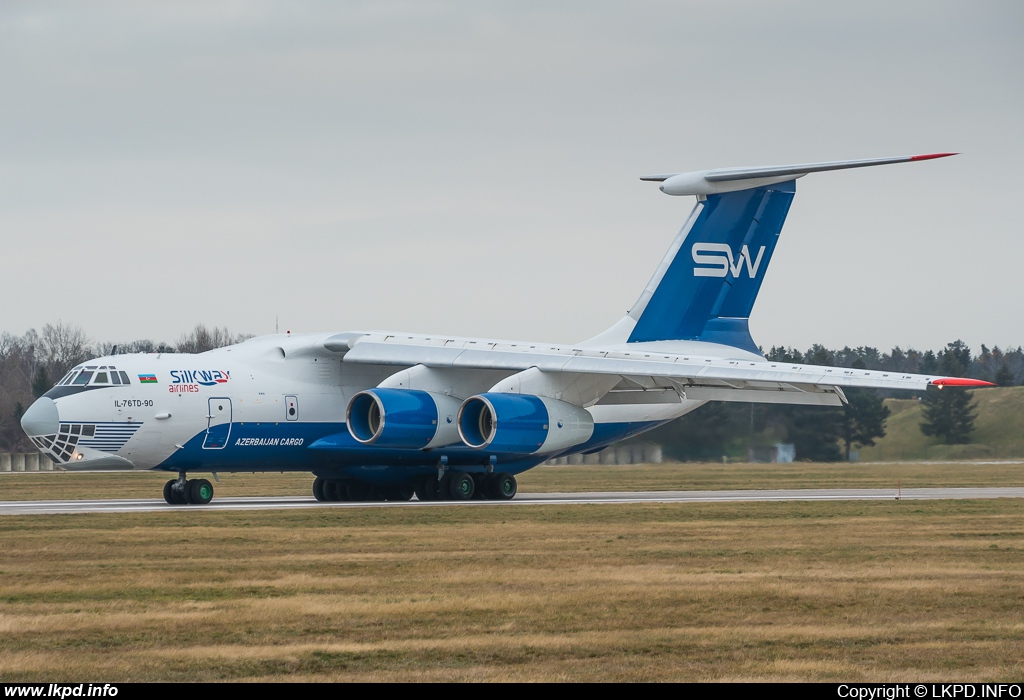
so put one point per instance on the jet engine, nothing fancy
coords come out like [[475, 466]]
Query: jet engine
[[522, 423], [402, 418]]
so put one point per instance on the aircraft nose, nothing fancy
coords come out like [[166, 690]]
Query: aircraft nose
[[41, 418]]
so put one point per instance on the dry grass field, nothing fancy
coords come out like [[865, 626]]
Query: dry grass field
[[751, 591]]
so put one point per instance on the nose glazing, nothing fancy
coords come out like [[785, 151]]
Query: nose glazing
[[41, 418]]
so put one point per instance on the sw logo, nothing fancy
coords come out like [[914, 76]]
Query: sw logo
[[719, 255]]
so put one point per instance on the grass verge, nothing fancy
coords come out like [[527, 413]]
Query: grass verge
[[879, 591]]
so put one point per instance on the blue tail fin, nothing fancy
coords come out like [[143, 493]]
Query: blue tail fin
[[705, 287]]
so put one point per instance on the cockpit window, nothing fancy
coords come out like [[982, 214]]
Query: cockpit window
[[105, 375]]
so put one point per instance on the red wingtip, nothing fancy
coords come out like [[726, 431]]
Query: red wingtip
[[930, 156], [960, 381]]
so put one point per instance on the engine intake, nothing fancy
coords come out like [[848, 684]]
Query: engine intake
[[522, 423], [402, 418]]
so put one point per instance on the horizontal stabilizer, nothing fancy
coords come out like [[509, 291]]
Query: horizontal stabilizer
[[705, 182]]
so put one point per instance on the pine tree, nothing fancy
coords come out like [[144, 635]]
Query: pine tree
[[815, 432], [949, 412], [41, 383], [1004, 377], [863, 417]]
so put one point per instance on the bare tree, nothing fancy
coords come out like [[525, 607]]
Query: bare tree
[[202, 339], [19, 359], [134, 346], [64, 346]]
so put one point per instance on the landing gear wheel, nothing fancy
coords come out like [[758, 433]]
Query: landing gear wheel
[[397, 492], [444, 486], [358, 491], [318, 489], [333, 490], [200, 491], [503, 486], [483, 486], [169, 494], [461, 486], [343, 492], [426, 488]]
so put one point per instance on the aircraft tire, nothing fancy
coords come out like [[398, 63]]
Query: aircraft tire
[[200, 492], [444, 487], [426, 488], [397, 492], [169, 493], [358, 491], [462, 487], [318, 489], [483, 486], [333, 490], [503, 487]]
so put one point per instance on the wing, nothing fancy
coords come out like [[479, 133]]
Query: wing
[[641, 369]]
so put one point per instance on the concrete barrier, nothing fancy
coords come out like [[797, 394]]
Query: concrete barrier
[[652, 454], [616, 454], [25, 462]]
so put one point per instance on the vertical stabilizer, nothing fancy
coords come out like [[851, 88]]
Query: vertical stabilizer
[[705, 287]]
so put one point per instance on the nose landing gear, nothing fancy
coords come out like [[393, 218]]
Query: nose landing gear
[[183, 491]]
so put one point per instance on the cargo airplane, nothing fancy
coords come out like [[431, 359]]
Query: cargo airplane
[[384, 416]]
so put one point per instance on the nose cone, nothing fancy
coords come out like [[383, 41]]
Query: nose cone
[[41, 418]]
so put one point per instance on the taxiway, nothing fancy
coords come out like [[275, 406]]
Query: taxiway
[[524, 499]]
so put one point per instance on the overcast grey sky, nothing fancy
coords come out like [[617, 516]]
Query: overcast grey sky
[[471, 168]]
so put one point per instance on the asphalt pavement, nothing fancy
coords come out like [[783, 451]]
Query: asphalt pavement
[[130, 505]]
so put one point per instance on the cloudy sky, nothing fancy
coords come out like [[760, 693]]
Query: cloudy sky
[[472, 168]]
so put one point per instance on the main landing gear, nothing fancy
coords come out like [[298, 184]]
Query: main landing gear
[[463, 486], [452, 486], [348, 490], [192, 491]]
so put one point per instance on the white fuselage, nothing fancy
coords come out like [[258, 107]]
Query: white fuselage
[[262, 404]]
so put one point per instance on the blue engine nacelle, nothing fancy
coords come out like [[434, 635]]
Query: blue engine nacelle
[[522, 423], [403, 418]]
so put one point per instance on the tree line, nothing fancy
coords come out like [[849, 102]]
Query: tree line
[[32, 363], [825, 433]]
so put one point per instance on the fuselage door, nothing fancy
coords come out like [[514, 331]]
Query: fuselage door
[[218, 424], [291, 405]]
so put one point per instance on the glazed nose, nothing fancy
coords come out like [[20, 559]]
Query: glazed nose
[[41, 418]]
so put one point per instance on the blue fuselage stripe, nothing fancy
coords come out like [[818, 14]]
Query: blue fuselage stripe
[[329, 449]]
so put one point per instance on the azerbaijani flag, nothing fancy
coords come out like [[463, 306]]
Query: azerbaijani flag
[[147, 379]]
